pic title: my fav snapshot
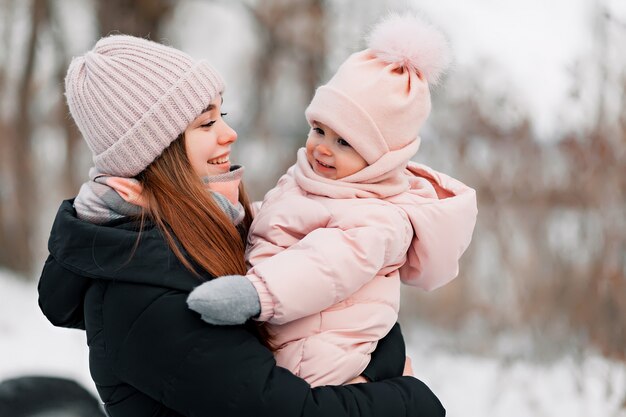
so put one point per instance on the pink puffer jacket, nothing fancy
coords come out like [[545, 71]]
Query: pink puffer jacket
[[327, 262]]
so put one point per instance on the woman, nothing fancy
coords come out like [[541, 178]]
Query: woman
[[123, 272]]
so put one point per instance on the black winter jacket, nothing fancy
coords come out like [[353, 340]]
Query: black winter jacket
[[150, 355]]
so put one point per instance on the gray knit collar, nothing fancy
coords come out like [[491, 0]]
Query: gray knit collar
[[235, 174], [98, 203], [236, 212]]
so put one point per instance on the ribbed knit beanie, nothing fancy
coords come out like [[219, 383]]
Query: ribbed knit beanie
[[131, 98], [379, 98]]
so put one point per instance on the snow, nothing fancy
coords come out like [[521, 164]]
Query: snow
[[534, 41], [486, 386], [468, 385], [29, 344]]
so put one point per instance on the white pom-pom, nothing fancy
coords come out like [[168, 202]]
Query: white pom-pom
[[410, 41]]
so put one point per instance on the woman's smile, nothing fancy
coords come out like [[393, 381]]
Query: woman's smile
[[219, 160]]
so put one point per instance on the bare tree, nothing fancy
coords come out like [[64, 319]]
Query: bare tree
[[143, 18], [286, 29], [19, 208], [555, 211], [290, 59], [19, 200]]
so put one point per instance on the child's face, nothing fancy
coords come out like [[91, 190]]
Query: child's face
[[330, 155], [208, 140]]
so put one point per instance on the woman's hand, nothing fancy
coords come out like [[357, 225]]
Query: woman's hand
[[408, 371], [389, 357], [358, 380], [408, 368]]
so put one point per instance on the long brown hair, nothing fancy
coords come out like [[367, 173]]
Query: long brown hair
[[186, 213]]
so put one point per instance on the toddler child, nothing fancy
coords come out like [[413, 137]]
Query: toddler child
[[353, 217]]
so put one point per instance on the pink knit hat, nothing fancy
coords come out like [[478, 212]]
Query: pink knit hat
[[379, 98], [132, 97]]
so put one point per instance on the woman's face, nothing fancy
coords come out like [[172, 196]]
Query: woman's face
[[208, 140], [330, 155]]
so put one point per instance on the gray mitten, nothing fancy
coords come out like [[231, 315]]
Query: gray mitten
[[228, 300]]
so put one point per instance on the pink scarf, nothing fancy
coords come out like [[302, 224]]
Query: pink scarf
[[382, 179]]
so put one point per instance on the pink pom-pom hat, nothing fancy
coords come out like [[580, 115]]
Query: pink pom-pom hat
[[379, 98]]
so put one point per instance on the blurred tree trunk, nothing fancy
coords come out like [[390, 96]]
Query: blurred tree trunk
[[5, 128], [19, 209], [290, 60], [70, 180], [292, 30], [142, 18]]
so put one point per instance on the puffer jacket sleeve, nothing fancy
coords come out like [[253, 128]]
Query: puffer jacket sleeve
[[197, 370], [443, 224], [328, 264], [62, 304]]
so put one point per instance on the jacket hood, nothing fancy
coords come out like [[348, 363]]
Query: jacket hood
[[81, 252], [442, 211]]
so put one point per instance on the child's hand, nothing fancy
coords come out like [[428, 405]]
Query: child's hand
[[228, 300]]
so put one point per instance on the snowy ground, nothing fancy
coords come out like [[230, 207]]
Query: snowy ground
[[29, 344], [485, 386], [467, 385]]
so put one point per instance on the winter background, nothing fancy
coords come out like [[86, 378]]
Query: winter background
[[531, 114]]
